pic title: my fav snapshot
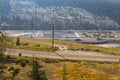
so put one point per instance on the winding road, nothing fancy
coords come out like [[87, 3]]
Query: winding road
[[69, 55]]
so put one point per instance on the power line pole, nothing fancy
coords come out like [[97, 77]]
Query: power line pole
[[53, 30]]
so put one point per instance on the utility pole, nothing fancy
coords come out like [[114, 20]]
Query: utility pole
[[53, 30]]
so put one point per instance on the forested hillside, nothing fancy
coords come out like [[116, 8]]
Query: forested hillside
[[66, 14]]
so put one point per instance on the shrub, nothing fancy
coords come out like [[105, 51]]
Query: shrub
[[14, 72], [82, 49], [8, 57], [23, 63], [19, 54], [48, 60], [57, 48], [97, 50], [37, 45]]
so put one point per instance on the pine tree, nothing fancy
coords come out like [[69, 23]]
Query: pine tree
[[18, 41], [64, 72], [37, 73], [3, 44], [13, 71]]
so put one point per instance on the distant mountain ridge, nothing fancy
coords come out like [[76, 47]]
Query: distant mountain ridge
[[66, 14]]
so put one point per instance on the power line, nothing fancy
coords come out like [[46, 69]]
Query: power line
[[61, 56]]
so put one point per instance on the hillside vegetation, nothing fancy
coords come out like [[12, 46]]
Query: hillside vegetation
[[46, 45], [67, 14], [89, 71], [74, 70], [30, 44]]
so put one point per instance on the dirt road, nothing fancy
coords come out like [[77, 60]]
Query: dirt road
[[72, 55]]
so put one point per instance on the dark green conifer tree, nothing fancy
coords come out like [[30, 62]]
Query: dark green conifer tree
[[37, 73], [18, 41]]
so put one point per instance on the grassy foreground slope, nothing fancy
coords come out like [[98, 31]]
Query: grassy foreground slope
[[89, 71], [77, 70]]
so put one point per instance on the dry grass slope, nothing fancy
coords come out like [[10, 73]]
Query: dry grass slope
[[89, 71]]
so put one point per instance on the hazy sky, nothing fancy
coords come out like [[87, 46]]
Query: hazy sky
[[114, 0]]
